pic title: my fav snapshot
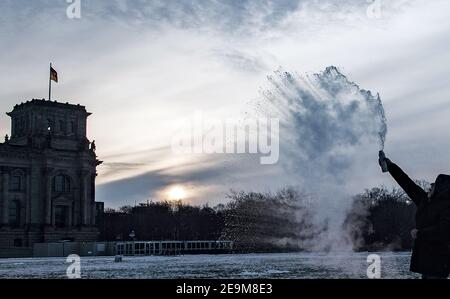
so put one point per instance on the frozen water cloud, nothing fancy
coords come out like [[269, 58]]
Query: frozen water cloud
[[324, 119], [327, 125]]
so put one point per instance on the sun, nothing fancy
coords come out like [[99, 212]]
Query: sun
[[177, 193]]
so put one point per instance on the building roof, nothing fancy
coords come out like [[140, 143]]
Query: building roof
[[45, 103]]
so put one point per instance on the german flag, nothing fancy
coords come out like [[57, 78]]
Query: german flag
[[53, 75]]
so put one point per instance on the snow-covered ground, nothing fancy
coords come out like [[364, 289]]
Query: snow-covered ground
[[283, 265]]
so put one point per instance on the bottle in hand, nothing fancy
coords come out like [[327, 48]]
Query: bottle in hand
[[383, 162]]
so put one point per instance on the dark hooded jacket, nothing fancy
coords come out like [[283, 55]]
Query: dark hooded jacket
[[431, 253]]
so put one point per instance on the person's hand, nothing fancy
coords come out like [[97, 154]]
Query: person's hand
[[414, 233], [387, 160], [382, 159]]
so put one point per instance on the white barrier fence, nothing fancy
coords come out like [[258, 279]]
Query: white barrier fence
[[173, 247], [63, 249]]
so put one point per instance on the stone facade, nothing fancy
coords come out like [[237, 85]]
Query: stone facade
[[47, 176]]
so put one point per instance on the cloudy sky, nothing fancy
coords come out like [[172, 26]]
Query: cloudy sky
[[141, 66]]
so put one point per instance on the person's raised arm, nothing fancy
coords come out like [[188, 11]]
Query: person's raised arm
[[414, 191]]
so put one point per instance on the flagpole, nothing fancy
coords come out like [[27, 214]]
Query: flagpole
[[50, 83]]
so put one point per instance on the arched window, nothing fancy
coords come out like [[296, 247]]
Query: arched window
[[61, 184]]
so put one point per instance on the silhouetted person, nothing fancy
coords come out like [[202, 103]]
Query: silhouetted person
[[431, 252]]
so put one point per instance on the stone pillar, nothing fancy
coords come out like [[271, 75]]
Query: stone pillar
[[37, 195], [28, 197], [5, 193], [93, 212], [84, 198], [92, 193], [76, 205], [1, 197], [70, 218], [48, 197]]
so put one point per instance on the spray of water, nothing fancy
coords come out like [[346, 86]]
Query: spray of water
[[326, 121]]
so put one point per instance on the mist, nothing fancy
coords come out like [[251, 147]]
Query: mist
[[328, 126]]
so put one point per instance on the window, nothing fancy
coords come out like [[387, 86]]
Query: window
[[60, 216], [61, 184], [16, 183], [120, 249], [72, 127], [14, 213], [62, 126]]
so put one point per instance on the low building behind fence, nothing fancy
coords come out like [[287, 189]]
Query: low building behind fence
[[64, 249]]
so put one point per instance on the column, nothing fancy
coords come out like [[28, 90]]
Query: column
[[70, 218], [1, 197], [93, 212], [5, 193], [76, 205], [37, 194], [48, 197], [93, 207], [84, 197], [28, 196]]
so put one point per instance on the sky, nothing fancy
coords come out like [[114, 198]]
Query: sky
[[143, 66]]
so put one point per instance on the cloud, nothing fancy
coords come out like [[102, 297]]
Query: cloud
[[242, 17], [241, 61]]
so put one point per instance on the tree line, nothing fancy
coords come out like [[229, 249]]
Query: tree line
[[378, 219]]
